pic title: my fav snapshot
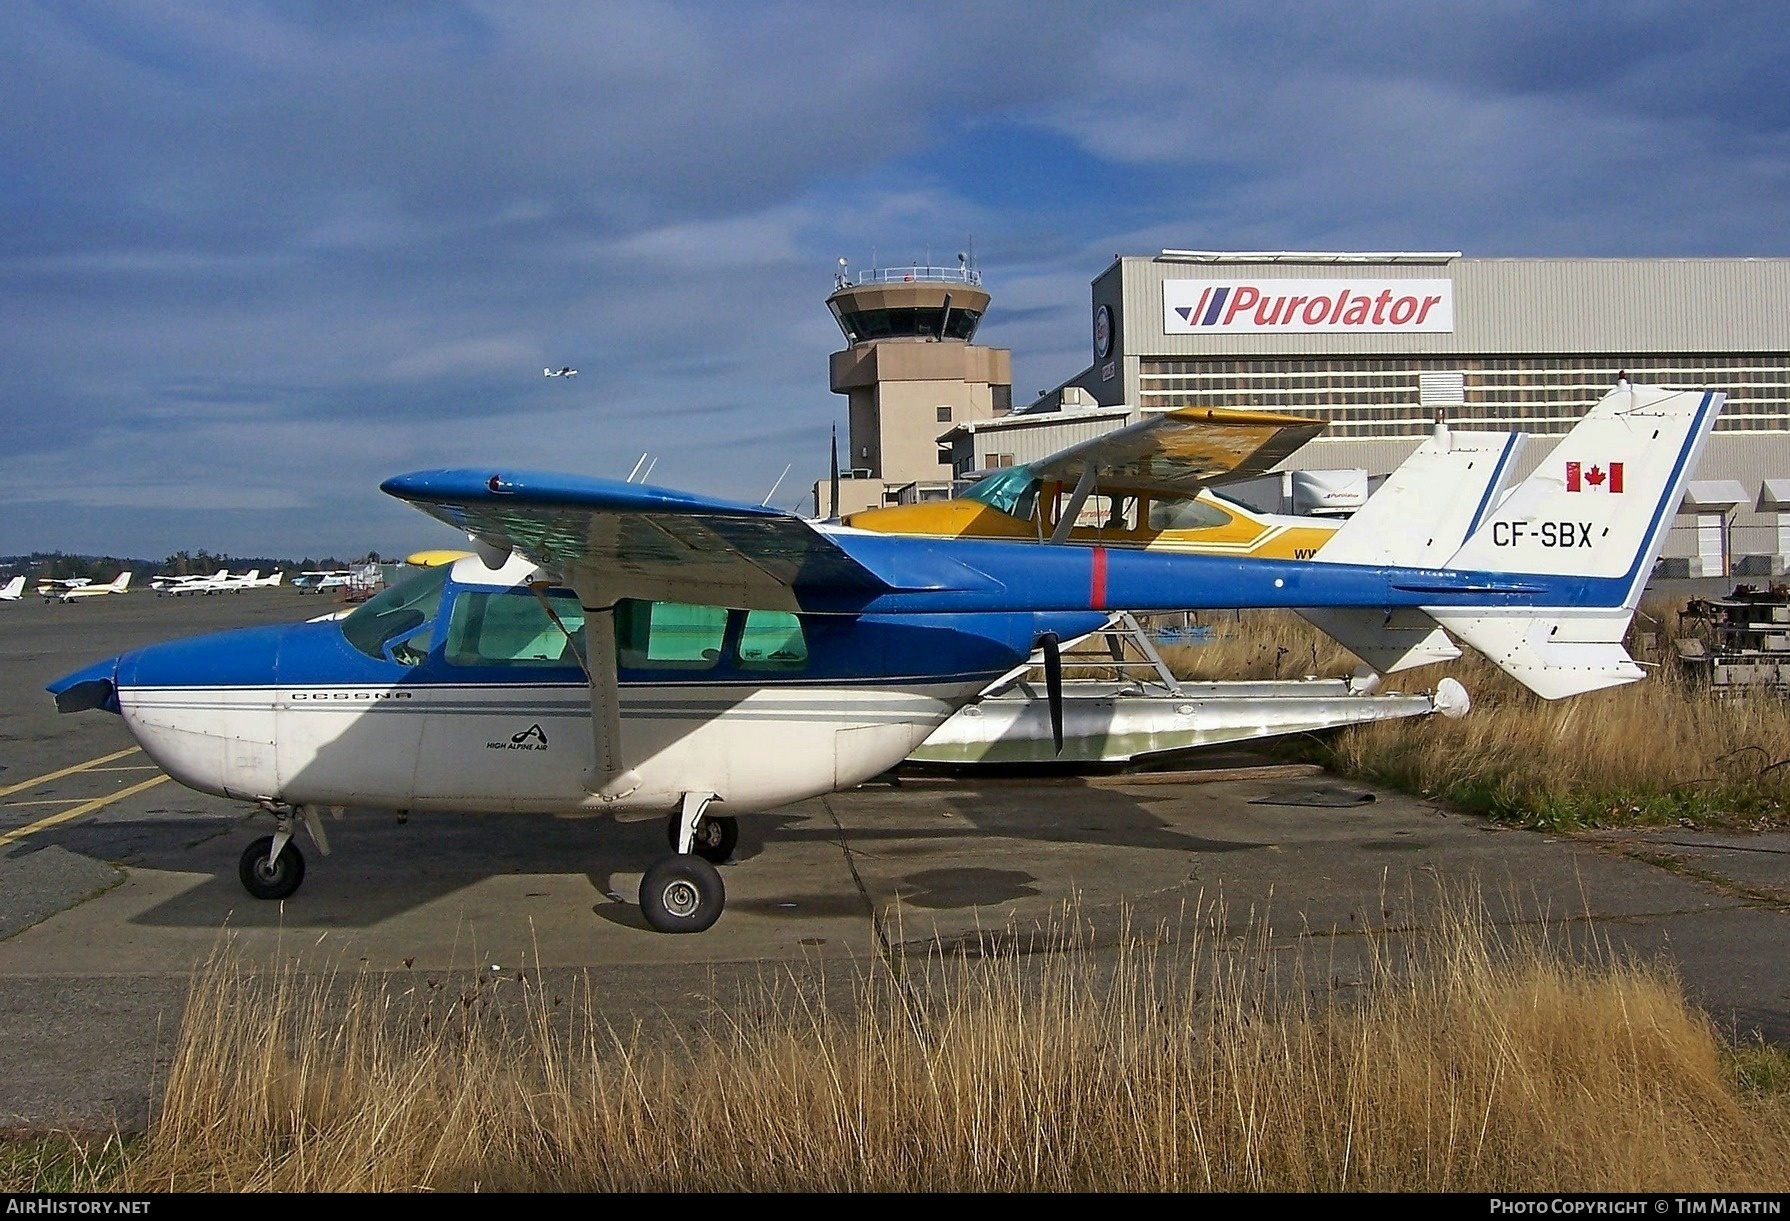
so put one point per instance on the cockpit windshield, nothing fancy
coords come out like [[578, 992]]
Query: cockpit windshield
[[396, 612], [1013, 491]]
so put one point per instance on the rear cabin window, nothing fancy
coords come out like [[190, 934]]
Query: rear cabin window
[[772, 640], [1186, 514], [668, 635], [512, 628]]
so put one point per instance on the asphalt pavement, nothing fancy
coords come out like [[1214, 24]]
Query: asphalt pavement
[[116, 882]]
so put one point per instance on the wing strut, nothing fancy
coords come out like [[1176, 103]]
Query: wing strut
[[1072, 510], [610, 778]]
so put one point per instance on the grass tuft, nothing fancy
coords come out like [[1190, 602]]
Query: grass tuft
[[1659, 752], [1205, 1057]]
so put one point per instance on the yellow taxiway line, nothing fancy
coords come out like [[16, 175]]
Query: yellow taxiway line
[[85, 808], [67, 771]]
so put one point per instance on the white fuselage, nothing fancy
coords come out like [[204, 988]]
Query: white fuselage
[[529, 747]]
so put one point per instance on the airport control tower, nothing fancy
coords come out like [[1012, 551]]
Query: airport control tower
[[909, 375]]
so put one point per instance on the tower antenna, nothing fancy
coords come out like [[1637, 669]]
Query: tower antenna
[[833, 509]]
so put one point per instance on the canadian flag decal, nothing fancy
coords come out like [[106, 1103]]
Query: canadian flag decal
[[1597, 479]]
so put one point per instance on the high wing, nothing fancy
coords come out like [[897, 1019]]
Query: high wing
[[611, 540], [1183, 451], [631, 540]]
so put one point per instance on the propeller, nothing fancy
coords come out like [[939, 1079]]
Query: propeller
[[1053, 686]]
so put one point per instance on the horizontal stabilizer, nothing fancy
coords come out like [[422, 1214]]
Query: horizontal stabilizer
[[1553, 657], [1388, 640]]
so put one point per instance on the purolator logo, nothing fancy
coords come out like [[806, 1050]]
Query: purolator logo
[[1193, 307]]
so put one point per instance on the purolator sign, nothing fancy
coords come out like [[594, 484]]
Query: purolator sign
[[1233, 306]]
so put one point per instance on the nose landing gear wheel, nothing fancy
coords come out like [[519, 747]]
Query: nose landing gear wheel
[[681, 894], [716, 837], [270, 880]]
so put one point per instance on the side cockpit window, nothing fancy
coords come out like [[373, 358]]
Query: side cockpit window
[[512, 628], [398, 624]]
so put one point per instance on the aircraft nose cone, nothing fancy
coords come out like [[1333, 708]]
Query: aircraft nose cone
[[96, 686]]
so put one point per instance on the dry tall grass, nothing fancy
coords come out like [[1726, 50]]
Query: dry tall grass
[[1182, 1061], [1662, 749]]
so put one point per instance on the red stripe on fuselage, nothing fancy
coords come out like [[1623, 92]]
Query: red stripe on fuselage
[[1097, 581]]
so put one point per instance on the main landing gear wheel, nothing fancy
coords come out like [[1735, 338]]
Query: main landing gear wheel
[[682, 894], [716, 836], [274, 879]]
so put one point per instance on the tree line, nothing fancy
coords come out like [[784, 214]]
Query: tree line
[[57, 565]]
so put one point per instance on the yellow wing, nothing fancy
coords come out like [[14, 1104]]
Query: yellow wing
[[1182, 451]]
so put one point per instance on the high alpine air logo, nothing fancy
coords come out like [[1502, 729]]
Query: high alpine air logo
[[532, 738], [1194, 307]]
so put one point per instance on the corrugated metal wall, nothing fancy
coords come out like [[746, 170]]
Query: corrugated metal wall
[[1505, 306], [1029, 443]]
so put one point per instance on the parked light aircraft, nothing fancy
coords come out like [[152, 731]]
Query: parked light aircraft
[[1148, 484], [316, 581], [193, 583], [117, 585], [651, 653], [49, 587], [12, 590], [234, 584]]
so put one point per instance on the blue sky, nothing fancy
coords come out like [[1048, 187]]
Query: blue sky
[[256, 257]]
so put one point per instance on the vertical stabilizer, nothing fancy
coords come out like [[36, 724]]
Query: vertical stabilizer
[[1417, 518], [1587, 526]]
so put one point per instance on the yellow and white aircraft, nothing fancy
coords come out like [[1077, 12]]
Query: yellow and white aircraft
[[1149, 486], [87, 589], [1145, 485]]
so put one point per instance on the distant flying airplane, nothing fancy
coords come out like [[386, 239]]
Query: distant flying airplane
[[568, 371], [12, 589], [650, 653], [89, 590]]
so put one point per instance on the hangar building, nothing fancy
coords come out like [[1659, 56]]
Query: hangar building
[[1379, 343]]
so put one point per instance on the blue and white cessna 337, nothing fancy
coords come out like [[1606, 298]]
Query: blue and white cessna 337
[[627, 648]]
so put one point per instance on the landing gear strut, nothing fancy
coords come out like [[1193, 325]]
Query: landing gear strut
[[714, 839], [272, 866], [682, 893]]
